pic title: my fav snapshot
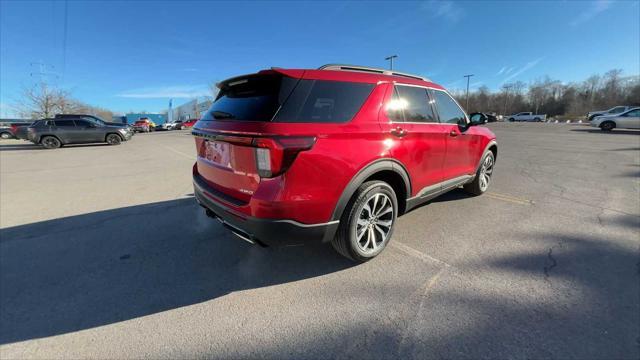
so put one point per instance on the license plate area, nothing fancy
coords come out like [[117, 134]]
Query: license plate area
[[217, 152]]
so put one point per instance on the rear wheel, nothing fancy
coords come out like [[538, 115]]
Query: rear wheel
[[512, 119], [483, 176], [113, 139], [536, 119], [367, 222], [6, 135], [50, 142], [607, 126]]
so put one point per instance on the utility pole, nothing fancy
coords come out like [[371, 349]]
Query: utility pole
[[468, 77], [506, 96], [390, 58]]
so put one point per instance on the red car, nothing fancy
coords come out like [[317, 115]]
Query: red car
[[335, 154], [189, 123]]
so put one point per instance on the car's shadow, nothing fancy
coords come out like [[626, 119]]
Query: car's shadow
[[83, 271], [612, 132], [30, 146]]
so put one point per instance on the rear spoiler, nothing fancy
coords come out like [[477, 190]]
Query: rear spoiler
[[293, 73]]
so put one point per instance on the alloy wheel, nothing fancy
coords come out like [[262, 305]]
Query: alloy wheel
[[485, 173], [374, 223]]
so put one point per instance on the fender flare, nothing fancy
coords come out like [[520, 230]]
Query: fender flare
[[486, 148], [368, 170]]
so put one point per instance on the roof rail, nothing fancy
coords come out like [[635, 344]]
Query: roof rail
[[345, 67]]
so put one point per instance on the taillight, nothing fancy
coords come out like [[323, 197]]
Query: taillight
[[14, 128], [275, 155]]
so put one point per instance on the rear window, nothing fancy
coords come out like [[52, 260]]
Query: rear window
[[255, 98], [284, 99]]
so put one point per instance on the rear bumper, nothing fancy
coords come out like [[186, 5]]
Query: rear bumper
[[265, 232]]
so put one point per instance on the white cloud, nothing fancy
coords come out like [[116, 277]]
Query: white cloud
[[501, 70], [166, 92], [526, 67], [448, 10], [593, 10]]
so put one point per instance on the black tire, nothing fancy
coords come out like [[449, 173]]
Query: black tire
[[346, 241], [512, 119], [607, 126], [6, 135], [482, 181], [50, 142], [536, 119], [113, 139]]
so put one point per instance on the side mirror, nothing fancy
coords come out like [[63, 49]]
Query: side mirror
[[478, 119]]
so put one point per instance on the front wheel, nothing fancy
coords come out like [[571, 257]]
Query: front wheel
[[50, 142], [6, 135], [483, 176], [607, 126], [113, 139], [367, 222]]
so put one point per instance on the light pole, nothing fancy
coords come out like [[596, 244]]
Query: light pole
[[468, 77], [390, 58]]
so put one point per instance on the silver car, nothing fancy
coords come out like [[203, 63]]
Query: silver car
[[629, 119]]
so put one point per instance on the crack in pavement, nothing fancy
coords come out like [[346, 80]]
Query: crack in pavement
[[553, 263]]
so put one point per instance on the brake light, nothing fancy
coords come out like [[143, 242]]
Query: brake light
[[275, 155]]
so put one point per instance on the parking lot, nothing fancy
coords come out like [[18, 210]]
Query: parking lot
[[105, 254]]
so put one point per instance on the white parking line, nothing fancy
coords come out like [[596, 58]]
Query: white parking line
[[192, 157], [415, 253]]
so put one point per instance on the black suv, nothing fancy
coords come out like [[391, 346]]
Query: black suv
[[53, 133]]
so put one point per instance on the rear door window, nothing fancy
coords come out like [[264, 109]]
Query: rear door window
[[64, 123], [319, 101], [416, 104]]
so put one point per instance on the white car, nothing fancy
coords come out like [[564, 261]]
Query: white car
[[613, 111], [176, 125], [629, 119], [526, 116]]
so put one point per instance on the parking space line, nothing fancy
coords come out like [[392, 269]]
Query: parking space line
[[192, 157], [416, 254], [509, 198]]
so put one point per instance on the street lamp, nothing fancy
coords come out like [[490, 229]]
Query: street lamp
[[468, 77], [390, 58]]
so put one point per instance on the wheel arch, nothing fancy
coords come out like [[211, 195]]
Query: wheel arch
[[52, 135], [388, 170], [113, 133]]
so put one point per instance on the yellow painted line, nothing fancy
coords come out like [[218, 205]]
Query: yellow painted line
[[509, 198]]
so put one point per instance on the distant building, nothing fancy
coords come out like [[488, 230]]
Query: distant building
[[156, 118], [193, 109]]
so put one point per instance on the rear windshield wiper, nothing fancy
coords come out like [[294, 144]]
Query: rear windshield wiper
[[222, 115]]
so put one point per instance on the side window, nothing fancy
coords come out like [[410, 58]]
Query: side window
[[617, 110], [448, 109], [319, 101], [416, 104], [395, 106], [64, 123], [82, 123], [634, 113]]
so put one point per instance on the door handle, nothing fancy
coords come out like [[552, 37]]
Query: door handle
[[453, 133], [399, 132]]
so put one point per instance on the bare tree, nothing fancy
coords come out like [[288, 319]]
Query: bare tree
[[42, 101]]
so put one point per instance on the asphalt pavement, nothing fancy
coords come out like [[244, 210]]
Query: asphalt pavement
[[105, 254]]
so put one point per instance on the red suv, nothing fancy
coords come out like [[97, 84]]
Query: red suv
[[335, 154]]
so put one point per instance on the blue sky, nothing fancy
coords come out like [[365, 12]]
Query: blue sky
[[136, 55]]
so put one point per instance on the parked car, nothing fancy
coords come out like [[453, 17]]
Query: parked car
[[334, 154], [189, 123], [144, 125], [54, 133], [175, 125], [527, 116], [629, 119], [8, 129], [90, 118], [19, 130], [613, 111]]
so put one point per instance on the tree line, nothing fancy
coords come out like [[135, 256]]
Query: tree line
[[43, 101], [554, 98]]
